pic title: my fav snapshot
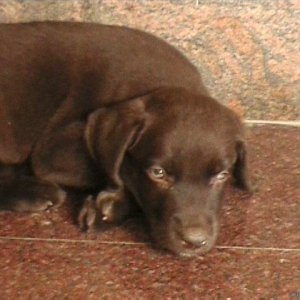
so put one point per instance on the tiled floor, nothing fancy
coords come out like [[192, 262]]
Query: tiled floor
[[257, 254]]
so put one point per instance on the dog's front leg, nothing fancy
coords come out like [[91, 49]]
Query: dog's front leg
[[109, 133]]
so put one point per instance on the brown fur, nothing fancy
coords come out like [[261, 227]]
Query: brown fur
[[94, 107]]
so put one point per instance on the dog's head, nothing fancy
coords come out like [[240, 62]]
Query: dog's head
[[173, 151]]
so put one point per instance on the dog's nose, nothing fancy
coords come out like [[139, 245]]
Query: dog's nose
[[198, 236], [195, 235]]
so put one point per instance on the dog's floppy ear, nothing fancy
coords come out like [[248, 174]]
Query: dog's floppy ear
[[110, 131], [240, 169]]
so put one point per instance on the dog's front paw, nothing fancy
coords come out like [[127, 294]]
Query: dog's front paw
[[108, 208], [27, 194], [112, 205], [88, 214]]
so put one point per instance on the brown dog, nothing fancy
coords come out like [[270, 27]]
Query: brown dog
[[119, 111]]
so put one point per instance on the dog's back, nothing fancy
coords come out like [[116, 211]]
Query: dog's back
[[43, 64]]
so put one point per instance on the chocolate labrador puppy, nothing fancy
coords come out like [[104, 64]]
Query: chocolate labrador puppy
[[117, 111]]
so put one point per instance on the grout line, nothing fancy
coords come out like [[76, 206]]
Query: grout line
[[259, 248], [75, 241], [67, 241], [272, 122]]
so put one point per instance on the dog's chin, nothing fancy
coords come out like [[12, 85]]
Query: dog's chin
[[185, 250]]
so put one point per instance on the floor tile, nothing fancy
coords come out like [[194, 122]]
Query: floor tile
[[257, 253]]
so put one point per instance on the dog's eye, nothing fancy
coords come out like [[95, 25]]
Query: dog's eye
[[157, 172], [222, 175]]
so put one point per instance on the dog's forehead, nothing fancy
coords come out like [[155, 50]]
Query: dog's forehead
[[186, 129], [185, 137], [191, 123], [181, 109], [183, 140]]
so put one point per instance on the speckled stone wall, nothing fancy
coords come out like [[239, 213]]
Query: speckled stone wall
[[248, 51]]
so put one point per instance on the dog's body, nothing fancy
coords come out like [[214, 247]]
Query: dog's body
[[110, 108]]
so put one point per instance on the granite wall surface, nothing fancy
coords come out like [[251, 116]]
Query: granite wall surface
[[247, 50]]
